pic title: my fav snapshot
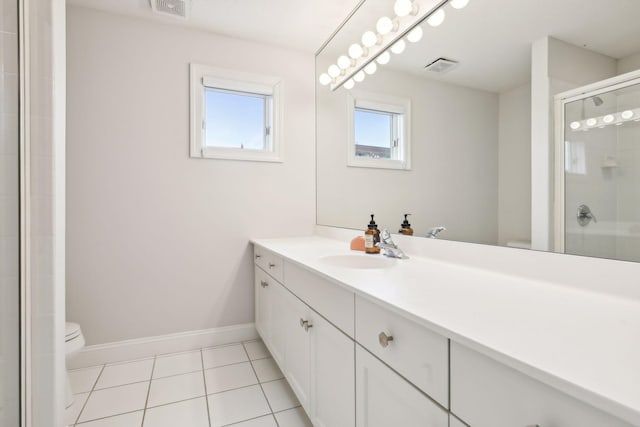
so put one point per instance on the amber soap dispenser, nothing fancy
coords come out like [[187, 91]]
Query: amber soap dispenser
[[371, 237], [405, 227]]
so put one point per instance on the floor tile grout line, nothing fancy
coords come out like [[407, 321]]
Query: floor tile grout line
[[146, 401], [248, 419], [204, 378], [90, 392], [108, 416], [260, 384]]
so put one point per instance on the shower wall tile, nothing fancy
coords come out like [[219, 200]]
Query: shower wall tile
[[8, 134], [9, 53], [9, 16], [10, 92]]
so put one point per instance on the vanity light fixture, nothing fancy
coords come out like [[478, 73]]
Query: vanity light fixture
[[356, 51], [370, 39], [344, 62], [334, 71], [371, 68], [437, 18], [415, 35], [385, 25], [617, 119], [398, 47], [349, 84], [325, 79], [459, 4], [383, 58], [389, 36], [405, 7]]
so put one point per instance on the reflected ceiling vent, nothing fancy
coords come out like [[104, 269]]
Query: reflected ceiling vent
[[441, 65], [175, 8]]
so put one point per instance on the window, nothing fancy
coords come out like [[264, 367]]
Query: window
[[234, 115], [378, 131]]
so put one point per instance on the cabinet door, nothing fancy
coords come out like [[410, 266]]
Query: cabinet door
[[269, 301], [332, 375], [297, 348], [385, 399]]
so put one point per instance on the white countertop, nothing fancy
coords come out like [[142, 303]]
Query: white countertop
[[585, 343]]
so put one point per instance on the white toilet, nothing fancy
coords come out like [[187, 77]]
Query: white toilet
[[74, 342]]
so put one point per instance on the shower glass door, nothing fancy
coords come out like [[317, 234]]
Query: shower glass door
[[9, 219], [602, 173]]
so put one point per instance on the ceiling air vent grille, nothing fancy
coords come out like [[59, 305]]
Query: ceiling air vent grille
[[441, 65], [175, 8]]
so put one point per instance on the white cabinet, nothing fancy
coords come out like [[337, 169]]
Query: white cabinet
[[454, 422], [269, 311], [418, 354], [384, 399], [319, 366], [486, 393]]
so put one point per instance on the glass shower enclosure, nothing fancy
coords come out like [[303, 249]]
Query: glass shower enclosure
[[598, 170]]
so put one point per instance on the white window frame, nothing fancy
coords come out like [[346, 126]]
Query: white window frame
[[203, 76], [385, 104]]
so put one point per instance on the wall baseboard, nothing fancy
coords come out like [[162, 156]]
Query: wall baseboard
[[139, 348]]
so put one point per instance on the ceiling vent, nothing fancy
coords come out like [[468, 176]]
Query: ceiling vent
[[175, 8], [441, 65]]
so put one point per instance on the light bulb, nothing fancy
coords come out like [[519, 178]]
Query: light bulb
[[436, 18], [383, 58], [398, 47], [627, 114], [349, 84], [325, 79], [403, 7], [344, 62], [359, 76], [415, 35], [384, 25], [356, 51], [334, 71], [608, 118], [370, 68], [459, 4], [591, 122], [369, 39], [575, 125]]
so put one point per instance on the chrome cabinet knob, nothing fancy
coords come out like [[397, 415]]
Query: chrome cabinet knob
[[258, 256], [264, 284], [271, 265], [384, 339], [302, 322]]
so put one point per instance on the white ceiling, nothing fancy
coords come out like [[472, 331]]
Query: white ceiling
[[492, 38], [299, 24]]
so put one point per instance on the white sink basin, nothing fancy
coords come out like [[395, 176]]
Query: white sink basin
[[359, 262]]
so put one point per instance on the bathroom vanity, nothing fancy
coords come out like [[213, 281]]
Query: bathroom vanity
[[370, 341]]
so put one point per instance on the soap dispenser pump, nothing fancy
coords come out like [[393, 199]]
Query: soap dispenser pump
[[405, 227], [371, 237]]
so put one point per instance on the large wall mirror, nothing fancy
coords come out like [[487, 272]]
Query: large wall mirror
[[460, 128]]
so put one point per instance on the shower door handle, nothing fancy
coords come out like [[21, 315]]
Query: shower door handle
[[585, 215]]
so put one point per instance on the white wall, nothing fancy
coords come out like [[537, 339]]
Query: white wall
[[453, 179], [556, 66], [628, 64], [158, 242], [514, 162]]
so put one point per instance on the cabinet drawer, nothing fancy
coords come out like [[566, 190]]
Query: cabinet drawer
[[269, 262], [486, 393], [418, 354], [328, 299], [385, 399]]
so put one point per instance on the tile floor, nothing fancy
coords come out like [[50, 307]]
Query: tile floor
[[233, 385]]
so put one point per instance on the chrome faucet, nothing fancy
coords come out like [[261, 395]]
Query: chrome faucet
[[388, 246], [432, 233], [584, 216]]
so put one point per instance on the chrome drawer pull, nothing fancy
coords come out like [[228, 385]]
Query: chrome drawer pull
[[258, 256], [264, 284], [384, 339], [303, 322], [271, 265], [534, 425]]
